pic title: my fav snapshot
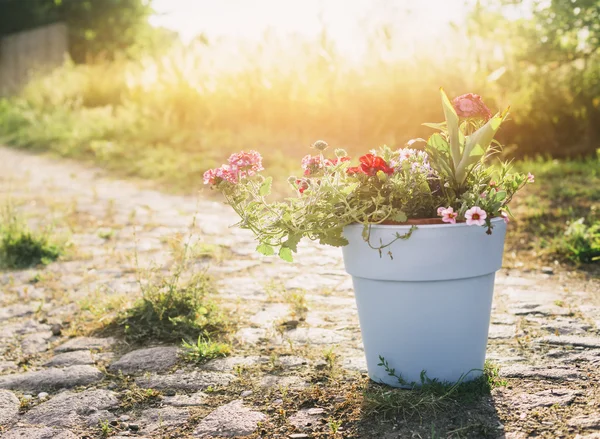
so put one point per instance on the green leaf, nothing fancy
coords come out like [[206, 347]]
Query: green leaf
[[438, 142], [452, 127], [348, 189], [399, 217], [286, 254], [436, 126], [265, 187], [479, 141], [292, 241], [334, 240], [365, 232], [500, 196], [265, 249]]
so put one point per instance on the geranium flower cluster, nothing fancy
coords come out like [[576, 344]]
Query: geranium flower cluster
[[240, 165], [312, 165]]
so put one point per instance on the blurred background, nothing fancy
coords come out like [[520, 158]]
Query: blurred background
[[166, 89]]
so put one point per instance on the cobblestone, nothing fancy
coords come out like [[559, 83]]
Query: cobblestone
[[542, 333]]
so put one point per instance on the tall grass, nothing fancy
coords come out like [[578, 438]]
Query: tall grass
[[171, 117]]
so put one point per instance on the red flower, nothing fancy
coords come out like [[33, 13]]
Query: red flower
[[302, 185], [471, 105], [354, 170], [335, 161], [371, 164]]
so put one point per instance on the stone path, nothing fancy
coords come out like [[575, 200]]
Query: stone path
[[57, 381]]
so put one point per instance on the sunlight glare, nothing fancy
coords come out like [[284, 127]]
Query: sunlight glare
[[420, 22]]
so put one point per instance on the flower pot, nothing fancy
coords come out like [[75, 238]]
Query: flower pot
[[426, 308]]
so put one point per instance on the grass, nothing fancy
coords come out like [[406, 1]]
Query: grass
[[21, 247], [174, 306], [558, 217], [171, 310], [429, 397], [205, 349], [168, 118]]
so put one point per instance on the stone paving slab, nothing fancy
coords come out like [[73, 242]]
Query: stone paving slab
[[58, 382]]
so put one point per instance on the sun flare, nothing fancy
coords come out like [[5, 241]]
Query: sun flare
[[346, 22]]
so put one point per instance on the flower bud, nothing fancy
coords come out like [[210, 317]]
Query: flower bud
[[339, 153], [321, 145], [382, 176]]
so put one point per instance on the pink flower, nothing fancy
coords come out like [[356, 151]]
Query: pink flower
[[209, 176], [475, 216], [247, 163], [482, 195], [471, 106], [225, 172], [336, 161], [505, 217], [440, 210], [530, 177], [449, 216], [312, 164]]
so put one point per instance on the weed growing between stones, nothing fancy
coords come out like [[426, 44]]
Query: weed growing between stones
[[21, 247], [174, 306], [205, 349], [430, 396], [105, 429], [170, 312]]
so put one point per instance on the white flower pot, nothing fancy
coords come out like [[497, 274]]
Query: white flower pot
[[428, 308]]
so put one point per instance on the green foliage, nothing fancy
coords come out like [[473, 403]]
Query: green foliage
[[205, 349], [430, 396], [549, 69], [96, 28], [332, 199], [388, 186], [171, 310], [569, 191], [582, 242], [174, 306], [21, 247]]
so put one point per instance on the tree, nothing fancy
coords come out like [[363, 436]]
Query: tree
[[551, 55], [96, 27]]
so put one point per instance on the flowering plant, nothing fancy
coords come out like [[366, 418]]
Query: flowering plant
[[449, 178]]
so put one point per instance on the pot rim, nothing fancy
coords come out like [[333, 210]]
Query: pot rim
[[426, 226]]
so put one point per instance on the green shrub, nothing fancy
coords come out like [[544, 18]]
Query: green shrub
[[170, 311], [581, 242], [22, 248]]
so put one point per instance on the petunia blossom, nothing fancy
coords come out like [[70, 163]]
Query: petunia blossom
[[440, 210], [449, 215], [475, 216], [505, 217], [371, 164]]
